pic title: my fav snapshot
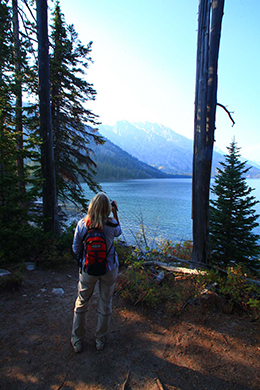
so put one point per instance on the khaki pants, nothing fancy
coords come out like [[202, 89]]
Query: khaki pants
[[86, 287]]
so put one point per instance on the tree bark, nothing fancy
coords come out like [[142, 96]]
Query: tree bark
[[18, 92], [209, 30], [50, 205]]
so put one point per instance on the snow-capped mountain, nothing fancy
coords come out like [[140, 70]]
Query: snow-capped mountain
[[152, 143], [160, 146]]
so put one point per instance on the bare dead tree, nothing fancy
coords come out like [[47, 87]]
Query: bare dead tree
[[50, 205], [209, 31]]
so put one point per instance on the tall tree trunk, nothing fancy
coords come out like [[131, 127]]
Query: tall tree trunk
[[50, 205], [209, 30], [18, 92]]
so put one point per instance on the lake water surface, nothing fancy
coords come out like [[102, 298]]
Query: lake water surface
[[164, 206]]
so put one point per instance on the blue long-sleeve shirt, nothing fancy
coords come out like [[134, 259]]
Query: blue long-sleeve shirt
[[110, 233]]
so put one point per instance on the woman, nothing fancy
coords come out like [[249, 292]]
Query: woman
[[97, 217]]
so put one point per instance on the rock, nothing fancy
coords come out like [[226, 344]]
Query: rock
[[58, 291], [30, 266], [160, 277], [4, 272]]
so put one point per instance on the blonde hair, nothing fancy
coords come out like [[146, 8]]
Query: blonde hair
[[98, 211]]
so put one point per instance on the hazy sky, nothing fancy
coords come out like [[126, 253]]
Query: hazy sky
[[144, 54]]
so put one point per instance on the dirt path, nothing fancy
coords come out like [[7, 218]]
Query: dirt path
[[198, 350]]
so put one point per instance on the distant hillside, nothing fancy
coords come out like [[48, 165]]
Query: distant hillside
[[113, 163], [154, 144], [159, 146]]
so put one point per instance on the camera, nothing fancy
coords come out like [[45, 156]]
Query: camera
[[113, 204]]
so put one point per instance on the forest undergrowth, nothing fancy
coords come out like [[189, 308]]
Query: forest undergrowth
[[146, 278]]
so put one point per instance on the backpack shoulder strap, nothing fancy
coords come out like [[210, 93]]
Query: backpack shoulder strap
[[85, 235], [80, 255]]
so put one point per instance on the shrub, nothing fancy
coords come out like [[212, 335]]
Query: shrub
[[12, 281], [138, 283], [235, 288], [29, 243]]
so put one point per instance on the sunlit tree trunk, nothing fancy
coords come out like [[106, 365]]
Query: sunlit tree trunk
[[209, 30], [50, 205]]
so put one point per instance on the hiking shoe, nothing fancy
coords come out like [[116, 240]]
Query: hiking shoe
[[100, 343], [78, 346]]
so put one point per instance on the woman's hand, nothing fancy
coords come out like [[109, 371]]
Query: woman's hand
[[114, 210]]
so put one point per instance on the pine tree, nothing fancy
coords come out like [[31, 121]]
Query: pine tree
[[13, 217], [70, 118], [232, 215], [8, 153], [26, 81]]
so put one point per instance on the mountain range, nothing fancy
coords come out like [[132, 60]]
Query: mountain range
[[159, 147], [113, 163]]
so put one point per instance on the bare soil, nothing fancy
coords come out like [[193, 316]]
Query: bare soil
[[202, 348]]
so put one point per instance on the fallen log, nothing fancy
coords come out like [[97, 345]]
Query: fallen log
[[171, 268], [196, 264], [194, 271]]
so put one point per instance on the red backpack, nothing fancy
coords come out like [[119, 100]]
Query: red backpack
[[95, 252]]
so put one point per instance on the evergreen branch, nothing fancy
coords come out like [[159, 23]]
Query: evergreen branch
[[28, 36]]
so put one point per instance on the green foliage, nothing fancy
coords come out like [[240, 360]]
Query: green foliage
[[140, 283], [115, 164], [15, 195], [30, 244], [232, 215], [11, 197], [123, 251], [182, 250], [20, 234], [8, 176], [235, 288], [71, 120], [15, 243], [55, 251], [12, 281]]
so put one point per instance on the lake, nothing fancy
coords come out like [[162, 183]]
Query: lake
[[164, 206]]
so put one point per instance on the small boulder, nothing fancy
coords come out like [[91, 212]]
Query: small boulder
[[58, 291]]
